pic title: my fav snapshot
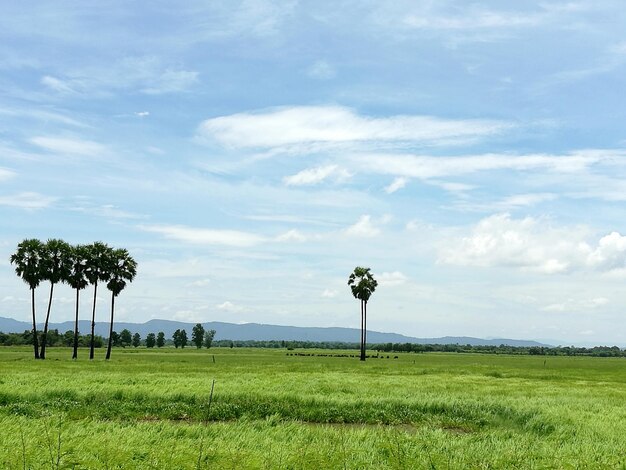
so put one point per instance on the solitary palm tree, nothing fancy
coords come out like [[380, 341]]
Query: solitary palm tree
[[123, 269], [363, 285], [55, 269], [27, 260], [97, 269], [77, 280]]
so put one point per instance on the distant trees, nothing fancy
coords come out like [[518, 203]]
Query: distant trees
[[177, 338], [208, 338], [136, 340], [183, 339], [363, 285], [150, 340], [126, 338], [57, 261], [115, 336], [160, 341], [197, 335]]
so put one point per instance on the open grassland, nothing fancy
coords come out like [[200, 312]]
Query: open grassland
[[149, 409]]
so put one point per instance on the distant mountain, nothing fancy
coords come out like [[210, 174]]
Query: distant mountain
[[260, 332]]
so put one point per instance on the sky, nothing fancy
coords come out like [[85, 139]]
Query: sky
[[250, 153]]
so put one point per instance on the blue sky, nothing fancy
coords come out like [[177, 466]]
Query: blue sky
[[250, 154]]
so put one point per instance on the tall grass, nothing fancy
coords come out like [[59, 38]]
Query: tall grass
[[152, 409]]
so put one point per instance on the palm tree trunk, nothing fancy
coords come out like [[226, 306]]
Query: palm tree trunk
[[108, 356], [93, 320], [35, 342], [44, 337], [75, 353], [362, 330]]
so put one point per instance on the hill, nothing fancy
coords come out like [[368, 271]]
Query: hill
[[261, 332]]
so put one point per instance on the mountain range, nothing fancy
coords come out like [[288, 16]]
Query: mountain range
[[260, 332]]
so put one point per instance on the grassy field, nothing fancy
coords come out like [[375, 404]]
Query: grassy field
[[150, 409]]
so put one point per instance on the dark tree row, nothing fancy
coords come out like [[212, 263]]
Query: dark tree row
[[597, 351], [78, 266], [55, 338], [199, 337]]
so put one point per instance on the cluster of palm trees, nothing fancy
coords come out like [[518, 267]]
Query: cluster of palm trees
[[78, 266]]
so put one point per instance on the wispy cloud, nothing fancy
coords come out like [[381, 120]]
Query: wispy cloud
[[427, 167], [6, 174], [108, 211], [200, 236], [292, 235], [515, 201], [27, 200], [316, 175], [321, 70], [397, 184], [334, 125], [228, 306], [329, 293], [145, 74], [71, 146], [390, 279], [42, 115]]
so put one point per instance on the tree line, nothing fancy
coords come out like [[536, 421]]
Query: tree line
[[596, 351], [78, 266], [199, 337]]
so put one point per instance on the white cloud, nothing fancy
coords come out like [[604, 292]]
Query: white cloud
[[69, 146], [56, 84], [453, 187], [427, 167], [398, 183], [363, 228], [27, 200], [508, 203], [474, 20], [329, 294], [391, 279], [6, 174], [316, 175], [170, 81], [201, 282], [201, 236], [571, 305], [228, 306], [321, 70], [108, 211], [306, 125], [142, 113], [292, 236], [535, 245]]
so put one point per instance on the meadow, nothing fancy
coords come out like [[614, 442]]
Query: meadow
[[152, 409]]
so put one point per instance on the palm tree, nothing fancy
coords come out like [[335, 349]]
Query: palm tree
[[54, 269], [96, 269], [27, 260], [363, 285], [77, 280], [123, 269]]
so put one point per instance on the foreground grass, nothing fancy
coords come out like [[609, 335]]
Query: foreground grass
[[149, 409]]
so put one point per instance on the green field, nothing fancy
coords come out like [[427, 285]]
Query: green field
[[150, 409]]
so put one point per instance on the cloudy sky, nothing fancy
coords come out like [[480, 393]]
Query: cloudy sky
[[251, 153]]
